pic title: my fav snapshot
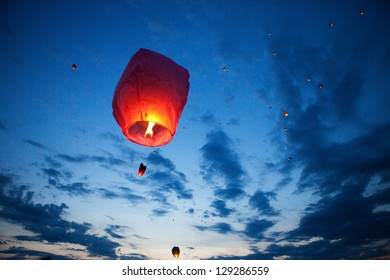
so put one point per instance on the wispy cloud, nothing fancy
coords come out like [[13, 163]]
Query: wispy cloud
[[222, 228], [261, 202], [121, 193], [221, 210], [46, 221], [164, 176], [35, 144], [104, 161], [221, 166]]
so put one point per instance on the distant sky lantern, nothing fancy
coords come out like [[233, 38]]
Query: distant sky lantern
[[74, 67], [141, 169], [361, 12], [150, 97], [320, 85], [274, 53], [285, 114], [331, 24], [176, 251]]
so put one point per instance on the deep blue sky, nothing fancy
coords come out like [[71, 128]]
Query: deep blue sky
[[224, 188]]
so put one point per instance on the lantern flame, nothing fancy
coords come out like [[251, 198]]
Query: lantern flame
[[149, 130]]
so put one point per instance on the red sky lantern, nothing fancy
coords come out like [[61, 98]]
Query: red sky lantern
[[150, 97], [141, 169]]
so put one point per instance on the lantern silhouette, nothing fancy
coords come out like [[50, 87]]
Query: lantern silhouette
[[141, 169], [176, 251], [150, 97]]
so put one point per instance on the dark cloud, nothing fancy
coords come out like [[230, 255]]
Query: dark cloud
[[19, 253], [165, 178], [347, 216], [59, 179], [46, 222], [255, 229], [74, 189], [220, 209], [261, 202], [335, 153], [220, 163], [208, 119], [159, 212], [222, 228], [122, 193], [133, 257], [104, 161], [35, 144], [113, 230]]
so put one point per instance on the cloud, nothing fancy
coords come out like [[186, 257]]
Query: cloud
[[255, 228], [159, 212], [18, 253], [46, 222], [220, 208], [222, 228], [221, 167], [74, 189], [35, 144], [113, 229], [261, 202], [122, 193], [165, 178], [104, 161], [347, 216]]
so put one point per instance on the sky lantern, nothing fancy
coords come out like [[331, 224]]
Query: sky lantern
[[141, 169], [176, 251], [285, 114], [150, 97], [320, 85], [74, 66]]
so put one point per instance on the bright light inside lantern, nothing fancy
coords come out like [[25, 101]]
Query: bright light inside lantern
[[149, 130]]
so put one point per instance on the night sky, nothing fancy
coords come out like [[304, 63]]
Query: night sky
[[240, 180]]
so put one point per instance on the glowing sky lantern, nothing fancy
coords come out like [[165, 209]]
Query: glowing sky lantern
[[285, 114], [74, 66], [141, 169], [176, 251], [150, 97]]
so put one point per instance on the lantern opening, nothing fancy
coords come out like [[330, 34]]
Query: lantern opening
[[149, 130], [138, 133]]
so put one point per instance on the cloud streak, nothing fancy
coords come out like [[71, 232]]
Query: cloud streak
[[220, 166], [46, 221]]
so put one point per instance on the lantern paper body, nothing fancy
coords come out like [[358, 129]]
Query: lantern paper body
[[153, 88], [176, 251]]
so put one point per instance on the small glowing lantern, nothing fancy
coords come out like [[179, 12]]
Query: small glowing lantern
[[150, 97], [285, 114], [74, 66], [176, 251], [141, 169]]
